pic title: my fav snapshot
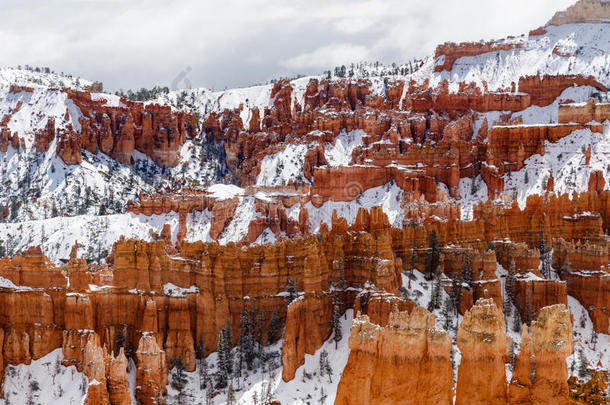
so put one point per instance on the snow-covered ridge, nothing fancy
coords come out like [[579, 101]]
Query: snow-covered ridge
[[40, 78], [586, 44]]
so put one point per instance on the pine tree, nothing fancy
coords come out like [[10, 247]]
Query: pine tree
[[446, 311], [292, 292], [456, 293], [336, 320], [202, 364], [473, 184], [507, 309], [179, 380], [323, 396], [209, 394], [120, 341], [545, 254], [413, 254], [517, 321], [583, 371], [274, 327], [225, 358], [566, 268], [325, 368], [247, 338], [432, 256], [510, 282], [230, 395], [436, 296], [467, 270]]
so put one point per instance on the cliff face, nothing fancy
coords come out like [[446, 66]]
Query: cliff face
[[405, 362]]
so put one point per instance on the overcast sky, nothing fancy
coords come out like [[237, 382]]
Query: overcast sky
[[141, 43]]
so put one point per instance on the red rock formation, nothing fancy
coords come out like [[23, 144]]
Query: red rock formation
[[544, 90], [597, 182], [450, 52], [116, 377], [16, 347], [510, 146], [584, 11], [95, 369], [592, 110], [405, 362], [43, 138], [592, 289], [152, 372], [69, 148], [154, 130], [552, 343], [307, 327], [533, 295], [482, 341]]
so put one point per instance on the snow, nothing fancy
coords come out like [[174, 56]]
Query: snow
[[534, 57], [468, 198], [58, 385], [387, 196], [224, 191], [566, 160], [6, 283], [198, 226], [340, 154], [95, 234], [173, 290], [267, 236], [281, 168], [305, 388], [31, 78], [237, 229], [583, 332]]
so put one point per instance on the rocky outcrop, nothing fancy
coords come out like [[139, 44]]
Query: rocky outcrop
[[69, 148], [597, 182], [154, 130], [592, 289], [592, 110], [533, 295], [152, 373], [482, 341], [406, 362], [584, 11], [545, 89], [307, 327], [116, 379], [510, 146], [94, 368], [450, 52]]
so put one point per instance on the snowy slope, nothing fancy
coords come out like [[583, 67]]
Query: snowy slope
[[32, 78], [588, 42], [44, 381]]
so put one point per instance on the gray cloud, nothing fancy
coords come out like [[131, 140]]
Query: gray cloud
[[136, 43]]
